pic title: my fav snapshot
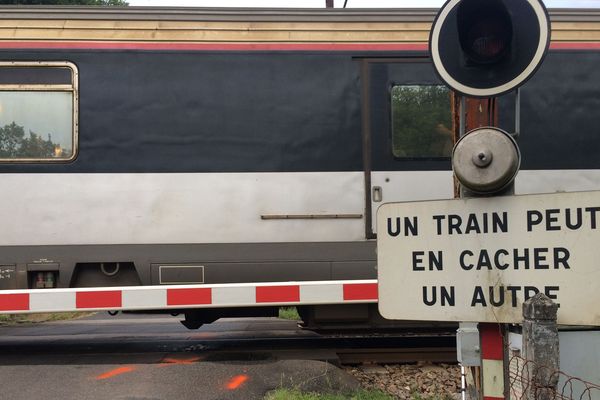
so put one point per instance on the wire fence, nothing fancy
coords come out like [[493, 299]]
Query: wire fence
[[529, 380]]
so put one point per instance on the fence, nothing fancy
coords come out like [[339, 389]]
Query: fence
[[529, 380], [525, 365]]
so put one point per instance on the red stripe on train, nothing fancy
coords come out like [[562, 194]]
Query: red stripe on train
[[14, 302], [215, 46], [575, 46], [98, 299], [184, 297], [277, 294], [360, 291], [79, 45]]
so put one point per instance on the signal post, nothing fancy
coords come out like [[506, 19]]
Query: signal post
[[486, 160], [483, 344], [484, 68], [481, 49]]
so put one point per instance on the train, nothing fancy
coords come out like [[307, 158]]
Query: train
[[142, 147]]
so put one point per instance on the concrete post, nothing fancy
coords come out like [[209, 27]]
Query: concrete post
[[540, 346]]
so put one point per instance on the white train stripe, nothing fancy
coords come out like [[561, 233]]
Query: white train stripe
[[131, 208], [550, 181]]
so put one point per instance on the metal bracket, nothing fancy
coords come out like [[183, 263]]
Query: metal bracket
[[462, 110], [517, 131]]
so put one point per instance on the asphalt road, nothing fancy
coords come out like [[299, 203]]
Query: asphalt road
[[155, 357]]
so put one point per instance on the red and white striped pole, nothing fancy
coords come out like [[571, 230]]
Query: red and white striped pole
[[492, 361], [188, 296]]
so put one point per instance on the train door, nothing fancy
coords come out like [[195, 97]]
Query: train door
[[407, 134]]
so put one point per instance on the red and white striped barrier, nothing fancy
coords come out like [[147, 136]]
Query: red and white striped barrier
[[188, 296]]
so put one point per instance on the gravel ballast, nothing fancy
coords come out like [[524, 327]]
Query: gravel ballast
[[411, 381]]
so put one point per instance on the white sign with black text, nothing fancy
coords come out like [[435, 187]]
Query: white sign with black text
[[479, 259]]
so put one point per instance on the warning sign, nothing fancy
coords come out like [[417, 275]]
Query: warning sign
[[479, 259]]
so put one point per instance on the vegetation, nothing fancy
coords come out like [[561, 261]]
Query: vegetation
[[66, 2], [289, 313], [421, 121], [285, 394], [40, 317], [14, 144], [418, 396]]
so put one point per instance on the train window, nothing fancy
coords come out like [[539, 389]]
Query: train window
[[421, 121], [38, 112]]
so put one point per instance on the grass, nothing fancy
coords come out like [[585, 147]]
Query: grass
[[286, 394], [289, 313], [418, 396], [9, 319]]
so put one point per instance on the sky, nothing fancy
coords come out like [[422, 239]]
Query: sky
[[337, 3], [41, 112]]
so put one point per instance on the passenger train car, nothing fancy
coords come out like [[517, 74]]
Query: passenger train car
[[217, 146]]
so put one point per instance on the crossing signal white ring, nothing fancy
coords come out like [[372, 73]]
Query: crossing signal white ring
[[542, 17]]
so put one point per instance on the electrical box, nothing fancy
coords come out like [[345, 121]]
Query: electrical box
[[468, 350]]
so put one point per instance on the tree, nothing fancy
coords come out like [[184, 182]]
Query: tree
[[14, 144], [11, 138], [36, 147], [65, 2], [421, 121]]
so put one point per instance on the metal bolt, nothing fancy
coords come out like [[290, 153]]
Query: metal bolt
[[482, 158]]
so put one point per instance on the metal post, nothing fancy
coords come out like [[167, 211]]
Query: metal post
[[517, 114], [492, 361], [487, 380], [462, 118]]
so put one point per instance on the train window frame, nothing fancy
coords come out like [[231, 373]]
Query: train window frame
[[391, 87], [72, 88]]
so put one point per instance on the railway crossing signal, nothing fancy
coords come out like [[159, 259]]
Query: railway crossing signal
[[485, 249], [479, 48], [484, 48]]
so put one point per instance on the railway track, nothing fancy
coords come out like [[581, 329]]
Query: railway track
[[397, 355], [148, 339], [347, 349], [363, 349]]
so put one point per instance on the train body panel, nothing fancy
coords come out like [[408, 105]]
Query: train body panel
[[182, 208], [232, 146]]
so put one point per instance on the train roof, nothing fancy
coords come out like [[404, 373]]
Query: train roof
[[245, 25], [255, 14]]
